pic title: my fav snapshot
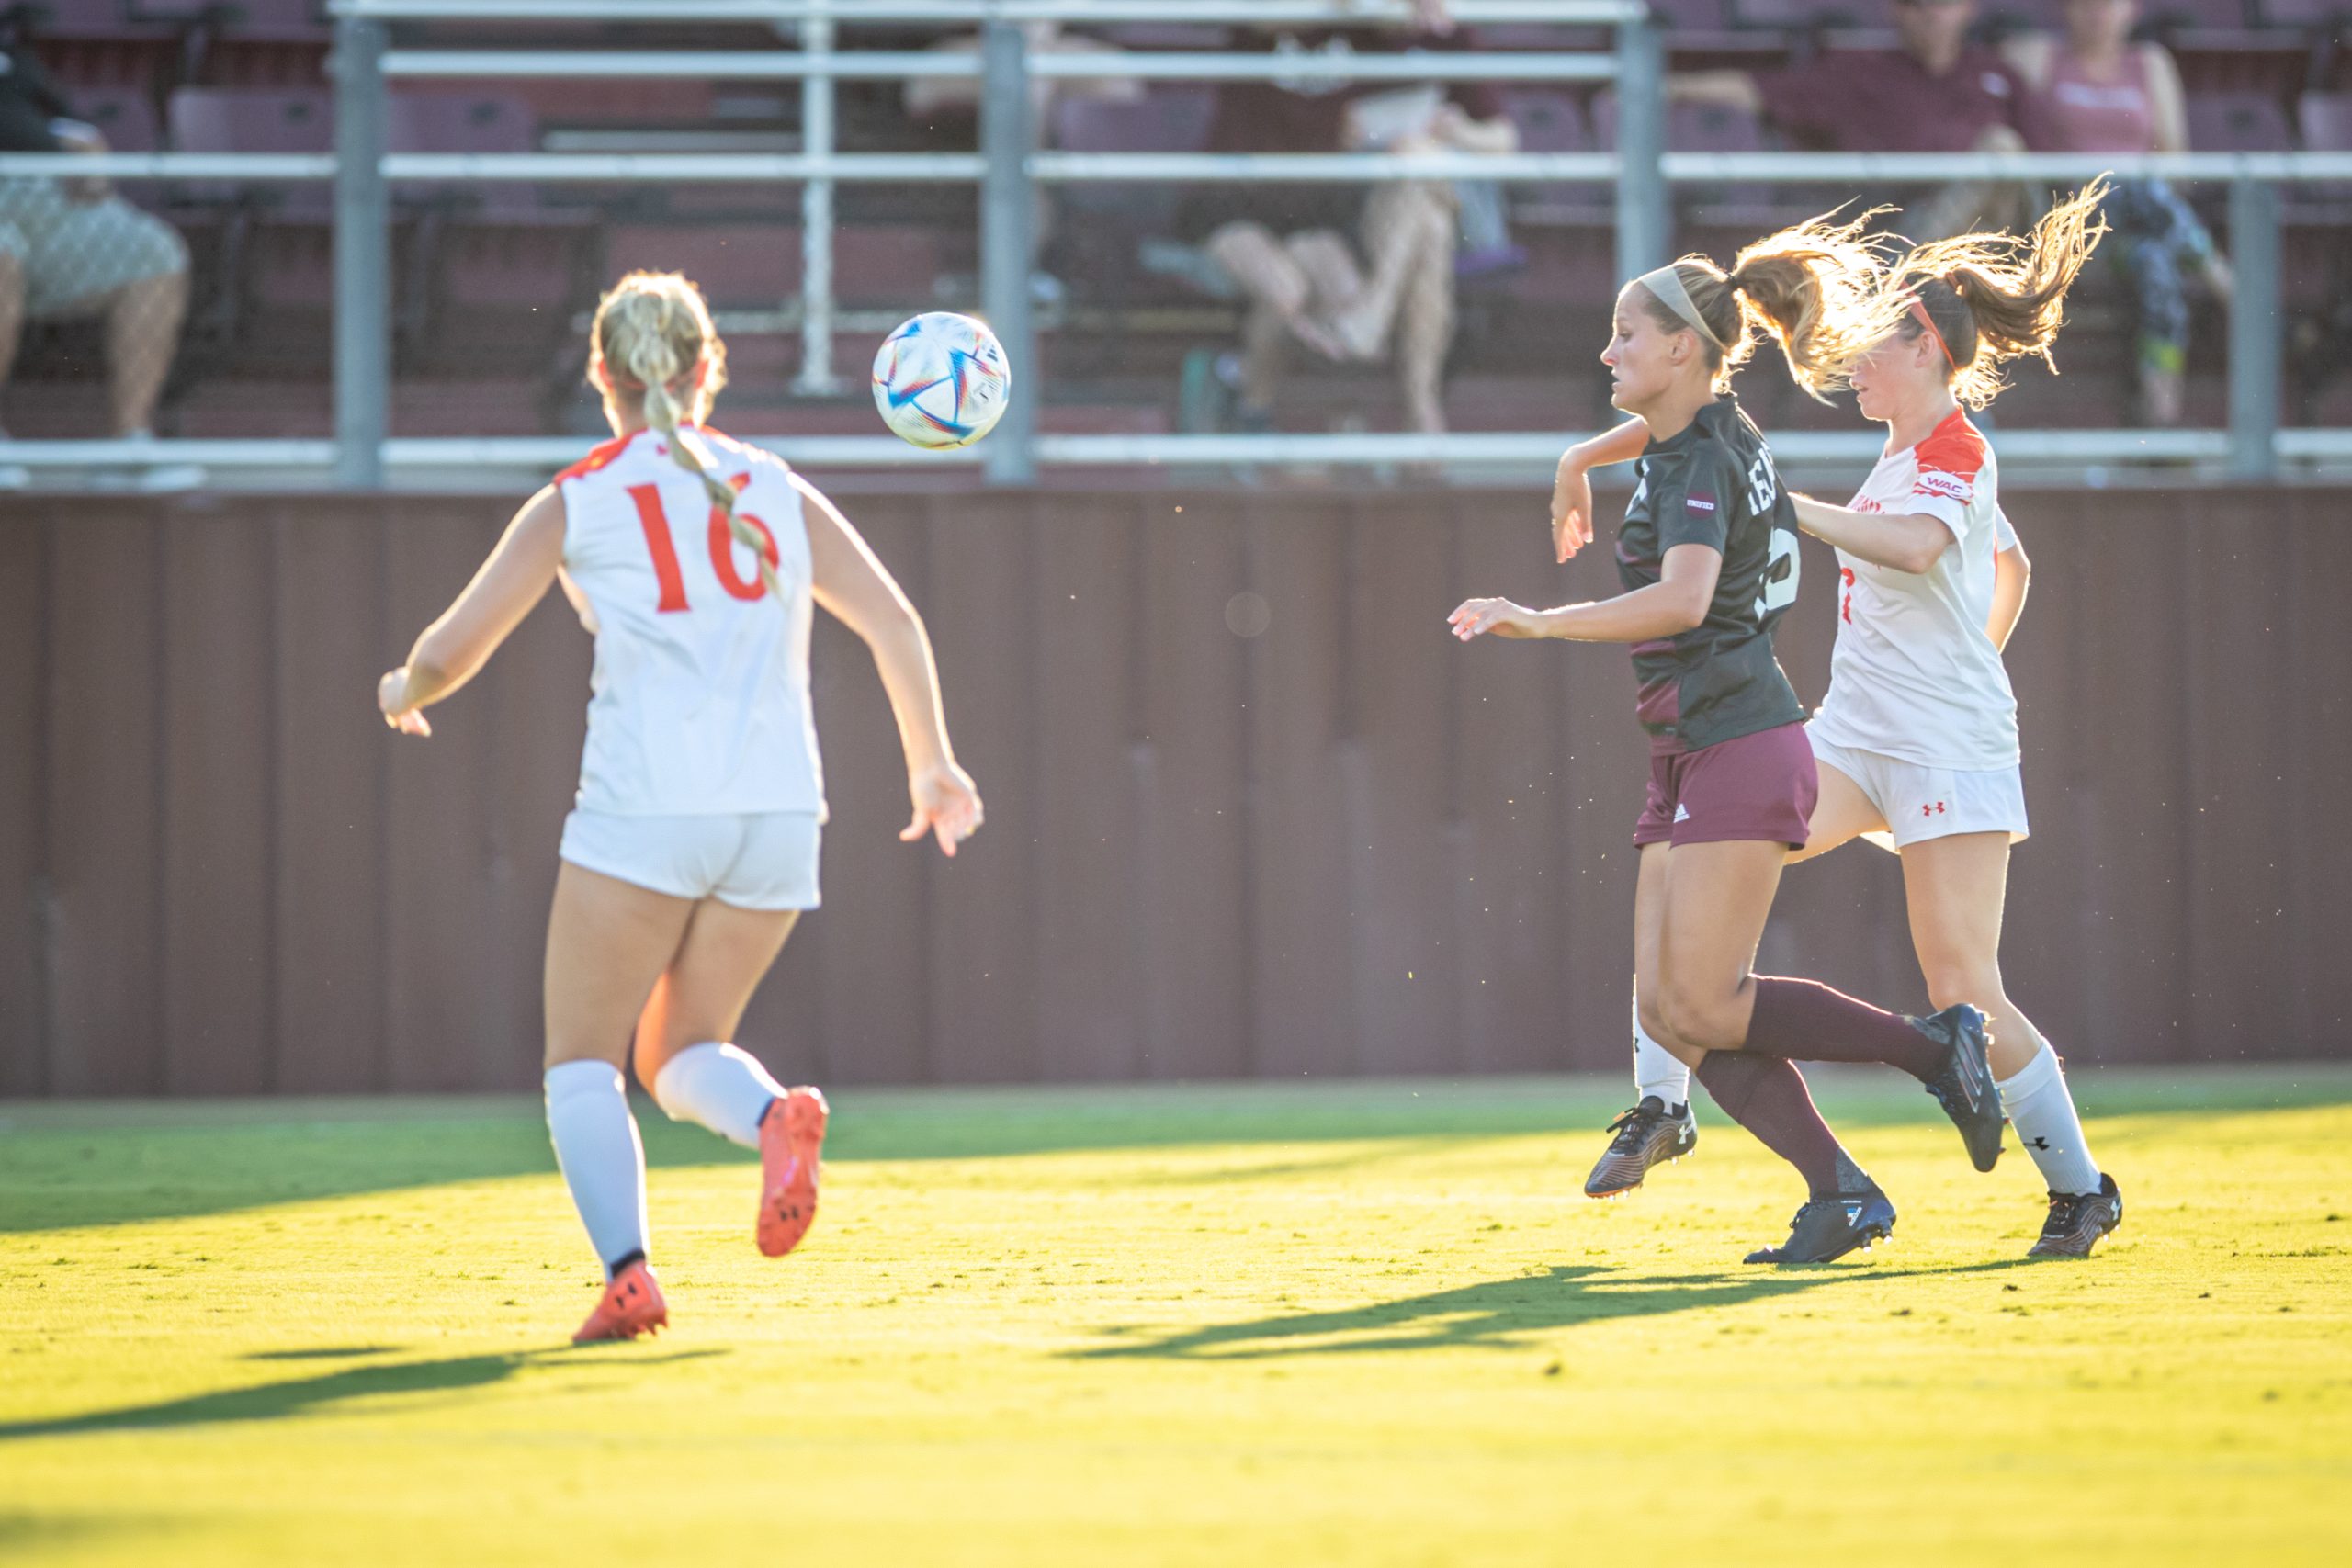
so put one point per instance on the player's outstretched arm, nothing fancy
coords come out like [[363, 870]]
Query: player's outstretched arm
[[1901, 542], [455, 648], [1673, 604], [1572, 489], [2012, 571], [854, 586]]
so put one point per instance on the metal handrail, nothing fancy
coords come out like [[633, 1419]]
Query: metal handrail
[[1009, 161], [1679, 168], [1923, 167], [883, 65], [1480, 448], [975, 13], [172, 166], [697, 168]]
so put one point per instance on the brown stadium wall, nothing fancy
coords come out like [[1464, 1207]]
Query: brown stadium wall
[[1345, 846]]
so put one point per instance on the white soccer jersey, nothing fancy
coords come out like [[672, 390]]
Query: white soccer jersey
[[1914, 675], [700, 698]]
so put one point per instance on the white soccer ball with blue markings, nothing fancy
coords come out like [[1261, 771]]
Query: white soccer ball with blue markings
[[941, 380]]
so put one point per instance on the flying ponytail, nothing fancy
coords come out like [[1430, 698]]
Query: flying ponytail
[[1993, 298], [1812, 289]]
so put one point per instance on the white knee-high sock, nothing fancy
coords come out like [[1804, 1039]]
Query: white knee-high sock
[[719, 1087], [1656, 1070], [2042, 1111], [597, 1147]]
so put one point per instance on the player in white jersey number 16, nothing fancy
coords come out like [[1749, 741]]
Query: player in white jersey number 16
[[696, 561]]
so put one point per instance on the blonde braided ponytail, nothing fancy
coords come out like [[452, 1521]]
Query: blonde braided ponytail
[[651, 329]]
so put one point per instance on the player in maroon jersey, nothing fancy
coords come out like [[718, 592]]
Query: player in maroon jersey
[[1708, 560]]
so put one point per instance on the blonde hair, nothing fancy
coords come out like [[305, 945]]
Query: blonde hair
[[1813, 290], [1997, 297], [651, 330]]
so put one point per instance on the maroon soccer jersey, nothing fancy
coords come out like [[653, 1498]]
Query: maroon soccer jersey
[[1714, 485]]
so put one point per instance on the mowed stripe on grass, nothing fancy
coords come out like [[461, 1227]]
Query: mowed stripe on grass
[[1230, 1326]]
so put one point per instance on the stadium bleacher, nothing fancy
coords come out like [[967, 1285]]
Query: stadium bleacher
[[491, 280]]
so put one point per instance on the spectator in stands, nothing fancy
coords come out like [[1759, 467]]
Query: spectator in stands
[[1285, 247], [2094, 90], [1936, 92], [72, 248]]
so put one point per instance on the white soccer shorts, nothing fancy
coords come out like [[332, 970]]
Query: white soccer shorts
[[1918, 803], [764, 860]]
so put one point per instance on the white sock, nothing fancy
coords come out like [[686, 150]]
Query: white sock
[[719, 1087], [597, 1150], [1656, 1070], [2043, 1113]]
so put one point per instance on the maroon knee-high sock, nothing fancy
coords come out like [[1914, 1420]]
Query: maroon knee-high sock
[[1815, 1023], [1767, 1096]]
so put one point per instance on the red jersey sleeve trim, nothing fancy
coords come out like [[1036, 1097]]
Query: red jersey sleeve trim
[[1953, 447], [597, 458]]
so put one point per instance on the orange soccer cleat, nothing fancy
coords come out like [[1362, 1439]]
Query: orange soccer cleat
[[632, 1305], [790, 1138]]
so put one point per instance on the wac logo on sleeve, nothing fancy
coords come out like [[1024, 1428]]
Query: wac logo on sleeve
[[1951, 487]]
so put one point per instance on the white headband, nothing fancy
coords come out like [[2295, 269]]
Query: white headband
[[1666, 284]]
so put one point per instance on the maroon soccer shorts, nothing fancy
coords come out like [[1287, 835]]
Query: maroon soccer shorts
[[1760, 787]]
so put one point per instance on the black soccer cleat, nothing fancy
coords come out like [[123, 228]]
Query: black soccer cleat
[[1826, 1229], [2077, 1220], [1648, 1135], [1964, 1089]]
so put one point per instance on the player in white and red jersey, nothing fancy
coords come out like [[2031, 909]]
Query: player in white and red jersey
[[1916, 739], [696, 562]]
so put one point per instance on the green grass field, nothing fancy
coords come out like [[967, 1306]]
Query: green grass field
[[1297, 1325]]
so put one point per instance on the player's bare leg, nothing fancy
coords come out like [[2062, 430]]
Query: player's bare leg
[[1660, 1129], [1717, 896], [685, 1050], [1714, 934], [608, 940], [1662, 1070], [1841, 814], [1956, 887]]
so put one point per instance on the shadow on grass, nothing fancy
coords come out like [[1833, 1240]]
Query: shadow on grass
[[304, 1396], [99, 1164], [1498, 1312]]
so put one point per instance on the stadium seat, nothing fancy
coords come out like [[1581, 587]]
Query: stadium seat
[[1172, 118], [2276, 61], [1553, 119], [1549, 119], [2326, 119], [1103, 224], [83, 20], [2238, 123], [252, 120], [2302, 12], [1692, 16], [1804, 15], [466, 123], [1710, 128], [259, 21], [2210, 15], [1186, 36], [124, 116]]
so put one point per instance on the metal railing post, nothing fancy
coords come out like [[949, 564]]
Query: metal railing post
[[2256, 326], [816, 379], [363, 338], [1644, 217], [1007, 244]]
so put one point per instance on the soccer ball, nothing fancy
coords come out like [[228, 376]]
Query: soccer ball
[[941, 380]]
